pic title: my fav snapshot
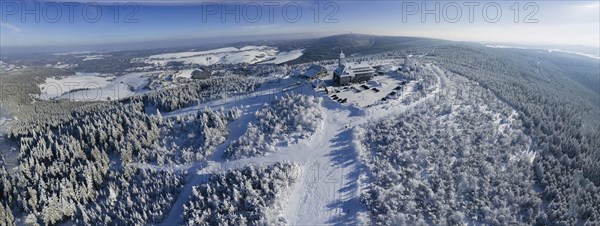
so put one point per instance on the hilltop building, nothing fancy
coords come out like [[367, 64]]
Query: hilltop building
[[347, 73]]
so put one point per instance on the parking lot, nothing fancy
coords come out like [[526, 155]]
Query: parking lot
[[381, 88]]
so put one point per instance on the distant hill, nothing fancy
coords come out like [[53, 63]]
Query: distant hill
[[329, 47]]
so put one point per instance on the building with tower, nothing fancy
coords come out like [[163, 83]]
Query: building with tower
[[347, 73]]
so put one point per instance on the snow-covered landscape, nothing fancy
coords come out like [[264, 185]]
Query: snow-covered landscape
[[364, 153], [93, 87], [227, 55], [326, 174], [167, 118]]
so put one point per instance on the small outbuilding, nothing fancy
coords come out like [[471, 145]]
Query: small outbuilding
[[315, 72]]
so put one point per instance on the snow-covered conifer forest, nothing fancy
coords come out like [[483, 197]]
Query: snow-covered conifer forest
[[287, 120]]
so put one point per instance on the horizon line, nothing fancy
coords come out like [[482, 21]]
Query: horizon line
[[104, 47]]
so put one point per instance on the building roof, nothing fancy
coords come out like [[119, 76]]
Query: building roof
[[363, 70], [344, 71], [318, 83], [351, 69], [313, 70], [363, 65]]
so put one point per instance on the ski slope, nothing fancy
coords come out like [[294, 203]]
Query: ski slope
[[331, 175]]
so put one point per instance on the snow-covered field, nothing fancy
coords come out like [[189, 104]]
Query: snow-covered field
[[61, 65], [92, 87], [94, 57], [86, 55], [228, 55], [283, 57]]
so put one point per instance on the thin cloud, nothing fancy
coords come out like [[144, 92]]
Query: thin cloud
[[9, 26], [592, 6]]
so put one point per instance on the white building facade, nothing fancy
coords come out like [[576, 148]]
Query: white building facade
[[347, 73]]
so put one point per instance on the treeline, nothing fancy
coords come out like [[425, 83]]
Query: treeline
[[249, 196], [17, 89], [196, 92], [286, 120]]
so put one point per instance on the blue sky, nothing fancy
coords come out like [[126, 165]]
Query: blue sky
[[159, 23]]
